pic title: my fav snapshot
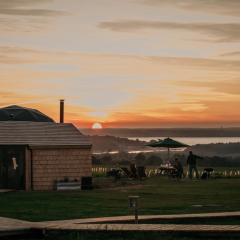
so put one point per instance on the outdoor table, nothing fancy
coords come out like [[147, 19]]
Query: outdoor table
[[169, 171]]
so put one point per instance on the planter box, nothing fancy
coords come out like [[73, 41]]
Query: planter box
[[68, 186]]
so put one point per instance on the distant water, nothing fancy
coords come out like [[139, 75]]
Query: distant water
[[195, 140]]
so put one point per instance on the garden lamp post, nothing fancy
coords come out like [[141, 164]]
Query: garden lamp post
[[133, 204]]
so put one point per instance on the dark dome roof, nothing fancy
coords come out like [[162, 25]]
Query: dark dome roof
[[17, 113]]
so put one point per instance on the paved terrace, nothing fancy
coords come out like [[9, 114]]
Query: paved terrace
[[145, 218], [15, 227], [10, 226]]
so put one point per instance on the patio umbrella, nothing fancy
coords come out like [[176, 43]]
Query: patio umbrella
[[167, 143]]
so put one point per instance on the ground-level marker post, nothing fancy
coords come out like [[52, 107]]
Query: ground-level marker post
[[133, 204]]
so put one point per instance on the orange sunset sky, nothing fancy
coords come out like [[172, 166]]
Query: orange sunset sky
[[128, 63]]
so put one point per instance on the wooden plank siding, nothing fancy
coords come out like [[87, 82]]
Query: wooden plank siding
[[51, 165]]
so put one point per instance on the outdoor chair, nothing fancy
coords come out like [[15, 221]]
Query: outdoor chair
[[133, 171], [173, 173], [116, 173], [127, 172], [141, 172], [207, 173]]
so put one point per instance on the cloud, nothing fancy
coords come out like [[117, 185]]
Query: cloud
[[20, 3], [231, 54], [204, 63], [12, 55], [31, 12], [222, 32], [26, 16], [10, 97], [24, 8], [176, 118], [16, 50], [123, 64], [226, 87], [223, 7]]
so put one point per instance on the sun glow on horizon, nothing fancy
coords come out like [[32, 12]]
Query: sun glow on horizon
[[97, 126]]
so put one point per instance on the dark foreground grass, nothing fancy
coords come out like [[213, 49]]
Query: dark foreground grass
[[132, 236], [126, 236], [157, 196]]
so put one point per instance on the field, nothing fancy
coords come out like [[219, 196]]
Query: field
[[158, 195], [219, 172]]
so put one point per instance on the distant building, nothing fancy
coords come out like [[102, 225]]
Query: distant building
[[35, 155]]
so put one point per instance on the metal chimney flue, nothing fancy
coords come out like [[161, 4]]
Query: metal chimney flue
[[62, 111]]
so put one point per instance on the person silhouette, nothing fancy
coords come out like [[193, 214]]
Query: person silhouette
[[192, 164], [179, 168]]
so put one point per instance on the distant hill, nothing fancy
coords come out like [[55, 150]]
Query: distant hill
[[111, 143], [217, 149], [165, 132]]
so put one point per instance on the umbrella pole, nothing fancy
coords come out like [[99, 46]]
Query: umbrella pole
[[168, 155]]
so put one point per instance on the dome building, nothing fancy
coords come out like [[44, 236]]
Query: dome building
[[18, 113]]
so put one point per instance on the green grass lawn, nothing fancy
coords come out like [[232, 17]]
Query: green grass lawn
[[157, 196]]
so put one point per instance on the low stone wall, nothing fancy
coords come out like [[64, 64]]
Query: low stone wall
[[51, 165]]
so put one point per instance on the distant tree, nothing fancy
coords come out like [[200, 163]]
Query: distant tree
[[95, 160], [140, 159], [181, 157], [154, 160], [124, 162], [106, 159], [123, 156]]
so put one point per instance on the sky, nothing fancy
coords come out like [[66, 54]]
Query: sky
[[128, 63]]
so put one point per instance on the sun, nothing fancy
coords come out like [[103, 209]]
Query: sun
[[97, 126]]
